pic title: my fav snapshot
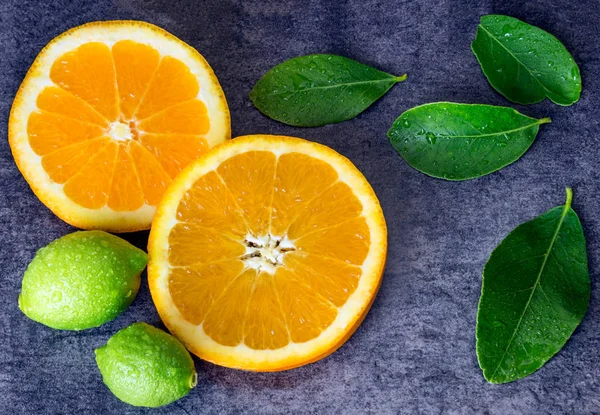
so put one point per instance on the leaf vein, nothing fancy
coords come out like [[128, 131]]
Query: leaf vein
[[296, 91]]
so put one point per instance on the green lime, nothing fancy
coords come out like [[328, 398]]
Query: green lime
[[81, 280], [144, 366]]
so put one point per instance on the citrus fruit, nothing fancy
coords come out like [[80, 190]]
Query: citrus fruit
[[144, 366], [81, 280], [107, 115], [266, 253]]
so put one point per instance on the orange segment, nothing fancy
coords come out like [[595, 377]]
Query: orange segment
[[89, 73], [300, 178], [58, 101], [334, 280], [90, 186], [135, 64], [265, 326], [196, 288], [336, 204], [125, 191], [153, 178], [172, 83], [189, 117], [174, 151], [63, 163], [209, 204], [291, 293], [125, 82], [194, 244], [48, 132], [249, 177], [307, 313], [349, 242], [227, 308]]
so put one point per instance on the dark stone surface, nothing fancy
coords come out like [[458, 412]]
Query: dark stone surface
[[415, 352]]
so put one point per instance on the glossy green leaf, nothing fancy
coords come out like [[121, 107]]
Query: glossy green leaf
[[536, 290], [314, 90], [524, 63], [462, 141]]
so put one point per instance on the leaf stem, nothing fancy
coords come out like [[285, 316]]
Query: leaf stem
[[545, 120], [569, 198], [401, 78]]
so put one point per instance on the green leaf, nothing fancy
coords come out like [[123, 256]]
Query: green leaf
[[536, 290], [314, 90], [462, 141], [524, 63]]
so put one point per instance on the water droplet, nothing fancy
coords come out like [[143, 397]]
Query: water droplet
[[406, 123], [431, 138]]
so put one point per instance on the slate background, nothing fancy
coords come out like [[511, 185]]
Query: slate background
[[415, 352]]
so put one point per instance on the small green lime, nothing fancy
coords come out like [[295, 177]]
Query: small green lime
[[81, 280], [144, 366]]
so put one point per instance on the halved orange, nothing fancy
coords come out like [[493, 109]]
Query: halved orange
[[107, 115], [266, 253]]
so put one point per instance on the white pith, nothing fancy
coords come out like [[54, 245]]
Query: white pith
[[120, 131], [265, 253]]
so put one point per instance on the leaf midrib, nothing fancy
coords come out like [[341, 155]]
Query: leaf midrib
[[535, 286], [518, 60], [393, 79], [537, 122]]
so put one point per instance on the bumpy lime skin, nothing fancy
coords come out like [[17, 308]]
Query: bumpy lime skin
[[81, 280], [144, 366]]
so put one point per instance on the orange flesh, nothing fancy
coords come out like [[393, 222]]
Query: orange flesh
[[252, 195], [96, 87]]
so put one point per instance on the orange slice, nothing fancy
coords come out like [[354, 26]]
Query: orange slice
[[266, 253], [106, 117]]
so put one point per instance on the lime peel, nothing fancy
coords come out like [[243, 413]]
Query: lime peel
[[144, 366], [81, 280]]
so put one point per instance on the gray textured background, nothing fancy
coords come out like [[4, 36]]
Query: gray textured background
[[415, 352]]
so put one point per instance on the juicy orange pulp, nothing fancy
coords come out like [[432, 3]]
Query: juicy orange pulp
[[118, 124], [266, 249]]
